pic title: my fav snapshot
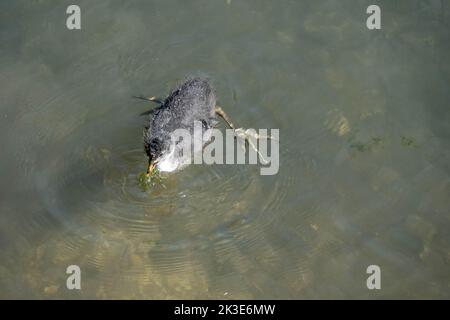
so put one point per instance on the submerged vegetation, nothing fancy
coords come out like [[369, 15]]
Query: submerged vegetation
[[146, 182], [408, 142], [369, 145], [379, 142]]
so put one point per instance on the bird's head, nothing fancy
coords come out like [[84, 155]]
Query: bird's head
[[154, 150]]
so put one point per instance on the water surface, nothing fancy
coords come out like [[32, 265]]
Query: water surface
[[364, 177]]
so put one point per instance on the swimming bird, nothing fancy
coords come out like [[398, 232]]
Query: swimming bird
[[193, 100]]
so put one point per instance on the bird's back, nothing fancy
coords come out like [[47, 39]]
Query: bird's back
[[194, 100]]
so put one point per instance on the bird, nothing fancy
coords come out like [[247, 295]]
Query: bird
[[193, 100]]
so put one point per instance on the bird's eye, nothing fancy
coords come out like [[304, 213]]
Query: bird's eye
[[155, 145]]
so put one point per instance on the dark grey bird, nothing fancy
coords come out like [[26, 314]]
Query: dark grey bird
[[193, 100]]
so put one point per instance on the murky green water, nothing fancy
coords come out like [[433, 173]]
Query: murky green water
[[364, 179]]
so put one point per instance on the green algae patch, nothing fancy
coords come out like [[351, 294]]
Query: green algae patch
[[408, 142], [375, 142], [147, 182]]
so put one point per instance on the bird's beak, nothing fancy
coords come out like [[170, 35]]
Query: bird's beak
[[151, 167]]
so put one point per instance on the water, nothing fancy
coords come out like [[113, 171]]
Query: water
[[364, 150]]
